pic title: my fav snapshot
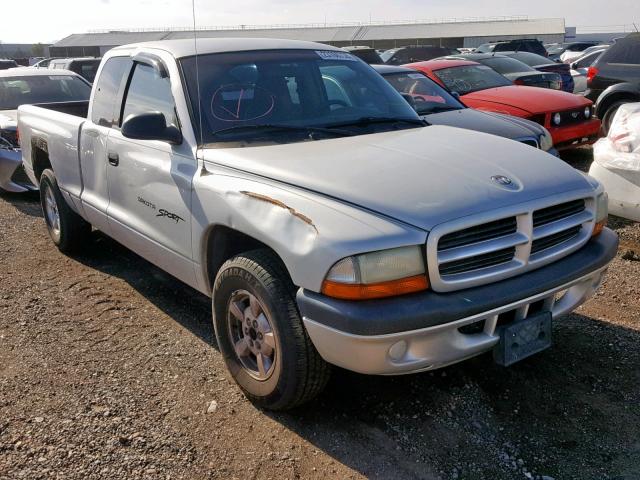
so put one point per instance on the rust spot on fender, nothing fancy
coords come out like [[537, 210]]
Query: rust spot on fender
[[280, 204]]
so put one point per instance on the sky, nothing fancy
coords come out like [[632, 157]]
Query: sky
[[29, 21]]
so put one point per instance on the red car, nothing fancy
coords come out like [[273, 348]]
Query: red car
[[568, 117]]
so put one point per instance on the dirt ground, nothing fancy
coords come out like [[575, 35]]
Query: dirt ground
[[108, 368]]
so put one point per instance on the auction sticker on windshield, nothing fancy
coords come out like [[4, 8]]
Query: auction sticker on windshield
[[331, 55]]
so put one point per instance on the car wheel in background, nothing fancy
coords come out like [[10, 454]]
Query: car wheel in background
[[607, 118]]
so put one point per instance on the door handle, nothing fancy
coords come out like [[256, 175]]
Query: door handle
[[113, 158]]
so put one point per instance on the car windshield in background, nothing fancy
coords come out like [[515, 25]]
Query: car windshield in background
[[531, 59], [471, 78], [25, 90], [429, 97], [246, 95], [507, 65], [387, 54]]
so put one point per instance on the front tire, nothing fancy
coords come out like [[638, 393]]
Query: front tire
[[67, 229], [260, 333]]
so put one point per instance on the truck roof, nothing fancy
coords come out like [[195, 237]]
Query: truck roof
[[187, 47]]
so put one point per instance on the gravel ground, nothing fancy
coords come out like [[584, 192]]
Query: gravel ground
[[108, 369]]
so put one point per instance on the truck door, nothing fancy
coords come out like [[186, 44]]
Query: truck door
[[150, 180], [104, 115]]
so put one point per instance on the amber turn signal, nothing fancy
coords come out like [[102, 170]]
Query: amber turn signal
[[597, 229], [359, 291]]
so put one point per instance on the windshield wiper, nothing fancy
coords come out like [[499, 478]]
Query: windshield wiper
[[437, 109], [364, 121], [274, 126]]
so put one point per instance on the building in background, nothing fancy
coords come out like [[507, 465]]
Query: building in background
[[445, 32], [20, 51]]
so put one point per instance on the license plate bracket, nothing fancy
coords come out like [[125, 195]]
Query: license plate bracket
[[523, 338]]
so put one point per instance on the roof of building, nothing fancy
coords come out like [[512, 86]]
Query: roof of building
[[339, 33]]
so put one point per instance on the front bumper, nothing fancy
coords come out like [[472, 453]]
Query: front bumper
[[572, 136], [12, 176], [423, 331]]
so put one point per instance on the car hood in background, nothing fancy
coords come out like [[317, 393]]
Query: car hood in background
[[487, 122], [8, 118], [420, 176], [531, 99]]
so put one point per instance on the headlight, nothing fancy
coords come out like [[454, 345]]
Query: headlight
[[546, 142], [385, 273], [602, 213], [557, 118], [587, 112]]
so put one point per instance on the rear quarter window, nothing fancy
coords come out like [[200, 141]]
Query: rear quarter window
[[625, 52]]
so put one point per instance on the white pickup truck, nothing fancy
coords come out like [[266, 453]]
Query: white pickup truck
[[293, 185]]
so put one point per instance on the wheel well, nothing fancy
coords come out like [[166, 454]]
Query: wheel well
[[611, 99], [223, 243], [40, 158]]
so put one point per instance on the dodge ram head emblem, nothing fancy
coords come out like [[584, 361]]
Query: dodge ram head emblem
[[502, 180]]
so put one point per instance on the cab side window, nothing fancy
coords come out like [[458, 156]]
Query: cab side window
[[105, 111], [149, 92]]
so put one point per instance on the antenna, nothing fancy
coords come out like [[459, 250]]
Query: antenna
[[195, 47]]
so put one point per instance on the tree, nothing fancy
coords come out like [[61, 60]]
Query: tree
[[37, 50]]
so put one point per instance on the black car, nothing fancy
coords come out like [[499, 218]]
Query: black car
[[521, 45], [7, 64], [516, 71], [438, 106], [366, 54], [614, 78], [543, 64], [402, 55]]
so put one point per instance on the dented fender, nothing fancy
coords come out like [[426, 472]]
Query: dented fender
[[309, 231]]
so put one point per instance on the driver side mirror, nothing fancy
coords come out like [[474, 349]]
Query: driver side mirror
[[151, 126], [455, 95]]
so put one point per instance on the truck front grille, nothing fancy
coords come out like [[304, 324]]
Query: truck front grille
[[461, 256]]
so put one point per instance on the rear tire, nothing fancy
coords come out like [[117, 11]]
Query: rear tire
[[260, 333], [607, 118], [68, 230]]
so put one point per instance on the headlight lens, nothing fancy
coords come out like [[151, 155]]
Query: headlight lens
[[587, 112], [546, 142], [377, 274], [602, 213], [557, 118]]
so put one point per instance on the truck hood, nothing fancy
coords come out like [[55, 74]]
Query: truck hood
[[8, 118], [531, 99], [487, 122], [420, 176]]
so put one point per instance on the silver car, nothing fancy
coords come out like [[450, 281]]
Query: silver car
[[23, 86]]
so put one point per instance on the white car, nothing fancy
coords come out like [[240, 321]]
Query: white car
[[616, 162]]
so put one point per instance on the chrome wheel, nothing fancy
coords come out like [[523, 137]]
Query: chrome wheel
[[251, 334], [51, 211]]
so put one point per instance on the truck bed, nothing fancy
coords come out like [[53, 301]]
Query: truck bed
[[77, 109]]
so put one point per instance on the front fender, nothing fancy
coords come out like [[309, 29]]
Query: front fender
[[619, 90], [308, 231]]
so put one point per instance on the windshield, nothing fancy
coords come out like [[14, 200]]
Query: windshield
[[531, 59], [16, 91], [296, 88], [429, 97], [387, 54], [507, 65], [471, 78]]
